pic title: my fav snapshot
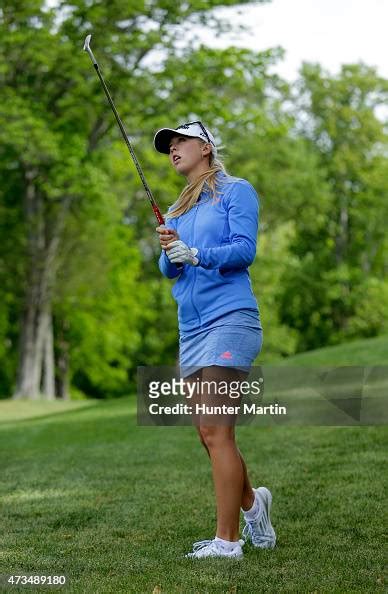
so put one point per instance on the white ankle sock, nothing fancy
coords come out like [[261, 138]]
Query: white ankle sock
[[227, 544], [251, 514]]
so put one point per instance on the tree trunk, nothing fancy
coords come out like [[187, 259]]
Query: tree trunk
[[36, 347], [33, 341], [28, 377], [62, 377], [27, 384], [48, 384]]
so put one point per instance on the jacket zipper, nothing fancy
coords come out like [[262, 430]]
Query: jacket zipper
[[194, 271]]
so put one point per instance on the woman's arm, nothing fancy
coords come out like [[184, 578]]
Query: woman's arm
[[243, 217]]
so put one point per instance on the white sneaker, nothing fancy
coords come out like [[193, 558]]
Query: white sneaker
[[213, 548], [260, 530]]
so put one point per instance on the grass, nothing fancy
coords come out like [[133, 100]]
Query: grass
[[371, 351], [340, 385], [114, 506]]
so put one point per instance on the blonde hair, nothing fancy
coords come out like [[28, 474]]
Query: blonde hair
[[191, 192]]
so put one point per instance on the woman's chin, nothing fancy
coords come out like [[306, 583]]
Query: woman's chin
[[179, 168]]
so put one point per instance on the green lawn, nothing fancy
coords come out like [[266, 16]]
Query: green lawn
[[86, 492], [371, 351]]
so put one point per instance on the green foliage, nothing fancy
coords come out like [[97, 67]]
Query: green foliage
[[267, 271], [370, 315], [329, 290]]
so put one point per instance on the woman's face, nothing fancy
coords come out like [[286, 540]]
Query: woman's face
[[187, 154]]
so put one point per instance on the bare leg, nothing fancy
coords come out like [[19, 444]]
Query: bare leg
[[231, 482], [247, 494], [230, 477], [248, 497]]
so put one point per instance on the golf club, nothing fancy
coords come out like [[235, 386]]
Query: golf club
[[155, 207]]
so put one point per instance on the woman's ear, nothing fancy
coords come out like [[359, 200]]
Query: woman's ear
[[206, 150]]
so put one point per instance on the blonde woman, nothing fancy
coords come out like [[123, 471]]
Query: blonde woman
[[207, 245]]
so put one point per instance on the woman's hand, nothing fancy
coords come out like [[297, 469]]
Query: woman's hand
[[166, 236], [179, 253]]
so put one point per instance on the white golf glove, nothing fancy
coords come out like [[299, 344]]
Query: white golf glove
[[180, 253]]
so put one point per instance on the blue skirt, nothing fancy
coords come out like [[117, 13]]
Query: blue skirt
[[234, 340]]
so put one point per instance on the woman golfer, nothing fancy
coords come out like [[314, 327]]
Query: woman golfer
[[207, 245]]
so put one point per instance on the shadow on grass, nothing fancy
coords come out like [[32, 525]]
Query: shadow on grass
[[75, 407]]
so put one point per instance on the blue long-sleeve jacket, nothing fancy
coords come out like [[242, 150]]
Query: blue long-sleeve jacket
[[224, 230]]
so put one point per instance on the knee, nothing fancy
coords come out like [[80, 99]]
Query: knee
[[212, 437], [202, 440], [207, 436]]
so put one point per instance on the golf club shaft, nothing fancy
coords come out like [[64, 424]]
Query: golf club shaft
[[155, 207]]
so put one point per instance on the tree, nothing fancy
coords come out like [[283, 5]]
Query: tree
[[340, 247]]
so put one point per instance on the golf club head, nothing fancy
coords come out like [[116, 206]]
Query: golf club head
[[87, 49], [87, 42]]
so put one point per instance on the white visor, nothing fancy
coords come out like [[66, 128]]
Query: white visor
[[193, 129]]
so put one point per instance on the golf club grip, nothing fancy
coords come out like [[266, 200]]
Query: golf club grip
[[158, 214], [152, 200]]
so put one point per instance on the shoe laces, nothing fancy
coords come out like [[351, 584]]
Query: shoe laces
[[257, 530], [201, 544]]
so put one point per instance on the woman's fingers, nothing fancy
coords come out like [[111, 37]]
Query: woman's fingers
[[164, 230], [166, 236], [166, 233]]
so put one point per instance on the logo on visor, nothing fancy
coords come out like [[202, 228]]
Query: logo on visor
[[204, 134], [226, 355]]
